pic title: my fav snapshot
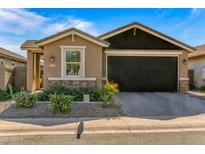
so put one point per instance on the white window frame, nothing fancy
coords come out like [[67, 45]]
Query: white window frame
[[64, 63]]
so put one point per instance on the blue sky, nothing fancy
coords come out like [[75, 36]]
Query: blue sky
[[18, 25]]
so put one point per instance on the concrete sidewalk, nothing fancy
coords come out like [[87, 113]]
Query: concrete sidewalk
[[83, 126], [119, 130]]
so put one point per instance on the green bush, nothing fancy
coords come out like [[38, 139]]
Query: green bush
[[202, 88], [44, 95], [92, 91], [76, 92], [107, 92], [24, 99], [4, 95], [61, 103]]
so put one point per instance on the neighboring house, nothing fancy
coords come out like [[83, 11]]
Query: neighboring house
[[197, 64], [8, 61], [135, 56]]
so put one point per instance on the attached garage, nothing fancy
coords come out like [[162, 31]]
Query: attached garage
[[141, 59], [138, 73]]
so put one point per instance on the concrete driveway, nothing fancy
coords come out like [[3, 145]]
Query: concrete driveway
[[160, 104]]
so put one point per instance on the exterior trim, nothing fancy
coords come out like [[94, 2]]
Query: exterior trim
[[31, 48], [104, 79], [148, 55], [72, 33], [196, 54], [184, 79], [77, 79], [82, 58], [148, 30], [143, 52]]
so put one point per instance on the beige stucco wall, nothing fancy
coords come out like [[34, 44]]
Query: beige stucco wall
[[183, 69], [197, 64], [33, 70], [7, 62], [6, 76], [7, 66], [201, 48], [93, 58], [29, 71], [2, 77]]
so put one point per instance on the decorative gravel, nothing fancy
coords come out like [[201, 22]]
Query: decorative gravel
[[41, 110]]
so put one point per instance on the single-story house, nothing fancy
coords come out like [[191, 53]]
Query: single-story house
[[135, 56], [8, 62], [197, 65]]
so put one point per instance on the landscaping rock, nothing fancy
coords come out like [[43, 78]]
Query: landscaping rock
[[42, 110]]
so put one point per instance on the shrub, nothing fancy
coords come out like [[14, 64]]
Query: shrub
[[202, 88], [4, 95], [43, 96], [61, 103], [24, 99], [92, 91], [107, 92], [10, 89], [76, 92]]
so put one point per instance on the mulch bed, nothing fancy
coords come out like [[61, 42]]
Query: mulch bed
[[41, 110]]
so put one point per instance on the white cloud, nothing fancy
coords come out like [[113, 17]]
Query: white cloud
[[17, 25], [19, 21], [195, 12], [69, 22], [12, 46]]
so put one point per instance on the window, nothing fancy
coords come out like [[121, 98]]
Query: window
[[73, 61]]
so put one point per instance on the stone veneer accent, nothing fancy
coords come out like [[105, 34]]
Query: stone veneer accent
[[183, 85], [73, 83]]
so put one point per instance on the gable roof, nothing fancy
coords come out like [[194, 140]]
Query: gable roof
[[70, 32], [36, 44], [200, 51], [11, 55], [148, 30], [30, 44]]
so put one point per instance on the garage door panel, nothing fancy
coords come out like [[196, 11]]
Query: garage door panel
[[143, 73]]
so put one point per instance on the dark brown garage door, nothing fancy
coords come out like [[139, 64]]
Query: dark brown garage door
[[134, 74]]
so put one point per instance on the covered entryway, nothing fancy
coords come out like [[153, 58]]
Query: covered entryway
[[34, 71], [143, 73]]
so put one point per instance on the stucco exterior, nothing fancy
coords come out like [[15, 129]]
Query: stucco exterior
[[29, 70], [8, 62], [93, 59], [198, 65]]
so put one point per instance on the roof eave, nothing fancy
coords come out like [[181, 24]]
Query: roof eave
[[14, 58], [31, 48], [147, 29], [70, 32]]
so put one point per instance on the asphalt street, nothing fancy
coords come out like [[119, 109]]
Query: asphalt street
[[156, 138]]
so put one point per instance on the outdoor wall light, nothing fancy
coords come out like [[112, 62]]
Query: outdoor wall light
[[184, 61], [52, 58]]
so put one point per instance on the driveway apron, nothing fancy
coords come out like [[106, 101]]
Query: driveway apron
[[160, 104]]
